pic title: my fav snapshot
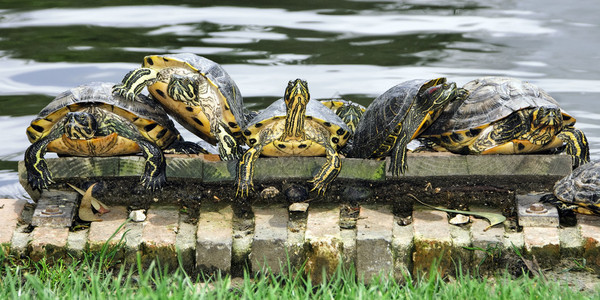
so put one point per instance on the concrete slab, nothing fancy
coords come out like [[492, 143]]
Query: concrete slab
[[532, 213]]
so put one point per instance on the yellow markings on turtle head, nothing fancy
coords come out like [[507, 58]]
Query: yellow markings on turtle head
[[296, 98]]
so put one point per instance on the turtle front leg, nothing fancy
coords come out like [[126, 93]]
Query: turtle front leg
[[576, 145], [328, 172], [398, 156], [154, 170], [245, 171], [38, 174], [134, 82]]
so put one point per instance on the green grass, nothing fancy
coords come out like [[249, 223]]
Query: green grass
[[96, 277]]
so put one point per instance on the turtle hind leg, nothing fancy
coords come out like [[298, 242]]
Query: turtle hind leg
[[229, 148], [134, 82], [576, 145], [562, 207], [184, 147]]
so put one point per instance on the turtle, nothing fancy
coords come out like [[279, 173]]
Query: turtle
[[505, 115], [294, 126], [89, 120], [399, 115], [579, 191], [349, 111], [198, 93]]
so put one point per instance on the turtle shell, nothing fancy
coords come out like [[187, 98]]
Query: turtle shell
[[151, 120], [383, 115], [233, 106], [491, 99], [581, 187], [315, 111]]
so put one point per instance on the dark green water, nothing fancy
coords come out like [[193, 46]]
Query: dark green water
[[354, 49]]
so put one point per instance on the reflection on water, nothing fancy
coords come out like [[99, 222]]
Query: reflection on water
[[355, 49]]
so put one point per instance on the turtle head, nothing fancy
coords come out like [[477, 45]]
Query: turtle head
[[184, 88], [296, 98], [80, 125], [441, 93], [547, 116], [296, 93], [546, 122]]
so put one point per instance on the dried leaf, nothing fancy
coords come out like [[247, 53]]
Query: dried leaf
[[493, 218], [80, 191], [100, 207]]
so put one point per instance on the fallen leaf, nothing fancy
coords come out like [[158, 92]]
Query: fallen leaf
[[87, 202], [493, 218], [85, 207]]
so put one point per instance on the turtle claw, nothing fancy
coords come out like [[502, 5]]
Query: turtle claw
[[154, 183], [39, 180], [243, 190], [319, 186]]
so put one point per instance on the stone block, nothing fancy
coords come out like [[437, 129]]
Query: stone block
[[49, 243], [159, 234], [571, 241], [214, 238], [10, 212], [461, 241], [269, 249], [374, 242], [432, 242], [487, 245], [110, 231], [590, 233], [185, 243], [402, 249], [323, 241], [77, 243], [544, 243]]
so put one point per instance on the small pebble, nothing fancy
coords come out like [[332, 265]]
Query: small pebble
[[137, 215], [269, 193], [459, 219], [299, 207]]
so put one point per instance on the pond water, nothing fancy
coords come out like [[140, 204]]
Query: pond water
[[355, 49]]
